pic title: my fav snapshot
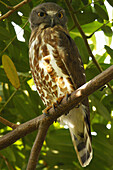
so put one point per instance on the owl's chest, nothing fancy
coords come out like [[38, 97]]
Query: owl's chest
[[49, 73]]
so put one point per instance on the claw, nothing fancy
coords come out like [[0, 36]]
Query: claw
[[53, 106], [66, 113], [103, 88], [46, 114], [45, 111], [78, 105], [67, 96], [58, 101], [55, 121]]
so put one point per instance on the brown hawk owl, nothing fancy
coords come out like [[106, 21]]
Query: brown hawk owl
[[57, 70]]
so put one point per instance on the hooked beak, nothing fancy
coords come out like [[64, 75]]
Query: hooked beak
[[52, 23]]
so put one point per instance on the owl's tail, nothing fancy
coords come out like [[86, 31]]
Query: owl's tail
[[78, 124]]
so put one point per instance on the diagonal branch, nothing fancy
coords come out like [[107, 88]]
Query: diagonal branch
[[14, 9], [7, 123], [75, 20], [43, 128], [75, 98]]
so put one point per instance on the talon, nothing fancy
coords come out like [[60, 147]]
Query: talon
[[103, 88], [53, 106], [58, 101], [55, 121], [78, 106], [67, 96], [66, 113], [45, 111], [46, 114]]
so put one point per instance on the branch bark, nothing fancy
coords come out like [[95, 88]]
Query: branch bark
[[43, 128], [75, 98], [14, 9], [7, 123]]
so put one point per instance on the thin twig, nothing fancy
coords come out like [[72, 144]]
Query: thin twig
[[75, 98], [14, 9], [75, 20], [99, 28], [7, 6], [8, 100], [7, 123], [6, 162], [80, 9]]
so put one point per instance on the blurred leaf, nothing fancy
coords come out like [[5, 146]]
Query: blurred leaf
[[91, 27], [24, 107], [8, 153], [82, 49], [61, 151], [101, 109], [3, 77], [10, 71], [4, 34], [107, 31], [109, 51], [87, 16], [110, 2], [101, 12]]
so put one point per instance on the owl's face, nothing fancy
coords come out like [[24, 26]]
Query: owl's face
[[49, 14]]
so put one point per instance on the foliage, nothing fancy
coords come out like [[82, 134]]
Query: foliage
[[25, 104]]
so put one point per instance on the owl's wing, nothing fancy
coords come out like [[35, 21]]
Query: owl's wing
[[73, 63], [78, 120]]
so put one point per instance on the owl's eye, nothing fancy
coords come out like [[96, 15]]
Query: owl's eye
[[41, 14], [60, 15]]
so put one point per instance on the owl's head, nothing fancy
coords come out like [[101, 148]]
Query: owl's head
[[49, 14]]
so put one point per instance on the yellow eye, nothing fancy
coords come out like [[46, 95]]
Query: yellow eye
[[60, 15], [41, 14]]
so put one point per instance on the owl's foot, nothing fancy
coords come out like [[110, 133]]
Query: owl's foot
[[58, 101], [45, 111]]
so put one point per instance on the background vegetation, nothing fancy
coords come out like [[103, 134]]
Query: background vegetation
[[25, 104]]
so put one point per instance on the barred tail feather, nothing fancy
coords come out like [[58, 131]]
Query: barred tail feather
[[83, 149], [79, 127]]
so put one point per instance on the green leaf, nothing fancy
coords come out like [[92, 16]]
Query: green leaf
[[110, 2], [101, 12], [4, 34], [109, 51], [9, 154], [87, 16], [91, 27], [107, 31], [101, 109], [24, 107], [61, 151], [82, 49], [10, 71], [3, 77]]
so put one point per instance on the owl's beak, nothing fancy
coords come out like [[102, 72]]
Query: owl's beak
[[52, 22]]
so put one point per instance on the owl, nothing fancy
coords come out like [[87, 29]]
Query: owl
[[57, 70]]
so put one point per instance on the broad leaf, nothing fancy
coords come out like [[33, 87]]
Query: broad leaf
[[10, 71]]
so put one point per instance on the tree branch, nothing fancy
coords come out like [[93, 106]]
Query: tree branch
[[43, 128], [7, 123], [14, 9], [75, 98], [75, 20]]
